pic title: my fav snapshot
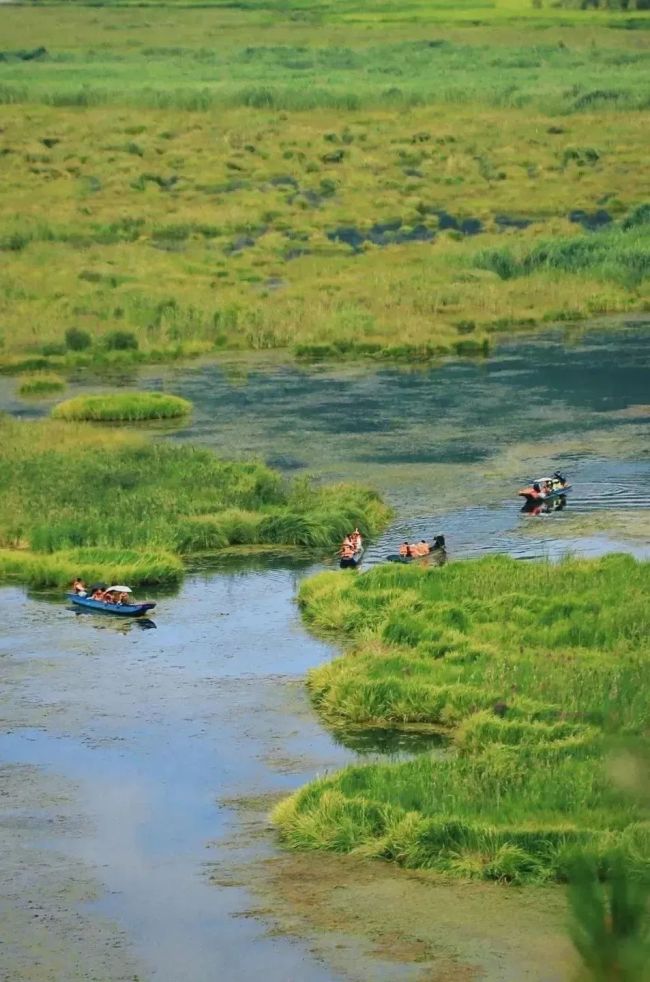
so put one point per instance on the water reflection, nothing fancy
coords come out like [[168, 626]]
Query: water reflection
[[378, 741], [104, 622], [544, 507]]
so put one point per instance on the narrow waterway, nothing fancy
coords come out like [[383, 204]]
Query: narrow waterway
[[128, 751]]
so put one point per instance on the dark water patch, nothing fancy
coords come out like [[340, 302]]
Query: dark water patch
[[283, 181], [511, 221], [390, 742], [295, 253], [448, 222], [285, 462], [631, 23], [461, 452], [245, 240], [470, 226], [25, 54], [382, 234], [593, 220]]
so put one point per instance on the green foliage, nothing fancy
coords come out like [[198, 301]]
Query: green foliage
[[120, 341], [77, 340], [58, 569], [610, 922], [621, 255], [73, 492], [126, 407], [534, 666], [41, 383]]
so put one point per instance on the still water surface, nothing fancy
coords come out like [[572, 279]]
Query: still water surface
[[161, 729]]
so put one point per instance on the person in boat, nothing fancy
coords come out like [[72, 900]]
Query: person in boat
[[406, 550], [423, 548], [98, 595], [416, 550], [79, 587], [559, 480], [356, 538], [346, 548], [123, 598]]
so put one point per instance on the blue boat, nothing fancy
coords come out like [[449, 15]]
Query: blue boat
[[351, 562], [121, 610]]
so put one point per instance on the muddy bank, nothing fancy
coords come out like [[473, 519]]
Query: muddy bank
[[370, 920]]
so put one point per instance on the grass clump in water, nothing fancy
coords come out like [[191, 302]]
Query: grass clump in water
[[115, 565], [128, 407], [41, 384], [66, 487], [532, 668]]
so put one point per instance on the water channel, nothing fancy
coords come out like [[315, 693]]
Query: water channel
[[128, 753]]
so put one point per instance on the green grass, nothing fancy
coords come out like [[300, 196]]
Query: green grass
[[41, 384], [58, 569], [194, 207], [621, 255], [123, 407], [535, 668], [74, 497]]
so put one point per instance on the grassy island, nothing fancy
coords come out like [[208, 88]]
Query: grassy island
[[127, 407], [381, 180], [78, 500], [536, 670], [41, 384]]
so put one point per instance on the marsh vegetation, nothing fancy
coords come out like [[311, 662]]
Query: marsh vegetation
[[468, 171], [78, 500], [533, 668], [126, 407], [40, 384]]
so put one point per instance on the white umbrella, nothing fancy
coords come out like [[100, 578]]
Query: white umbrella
[[119, 589]]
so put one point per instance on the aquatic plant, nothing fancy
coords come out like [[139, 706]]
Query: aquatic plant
[[123, 407], [59, 569], [532, 667], [620, 254], [72, 486], [41, 383]]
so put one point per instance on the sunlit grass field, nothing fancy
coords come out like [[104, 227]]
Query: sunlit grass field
[[539, 671], [327, 178]]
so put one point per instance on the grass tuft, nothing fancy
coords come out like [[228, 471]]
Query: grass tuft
[[128, 407], [41, 384], [533, 667]]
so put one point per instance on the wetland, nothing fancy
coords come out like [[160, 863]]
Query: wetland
[[141, 762], [267, 272]]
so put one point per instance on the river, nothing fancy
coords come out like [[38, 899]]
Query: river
[[133, 756]]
